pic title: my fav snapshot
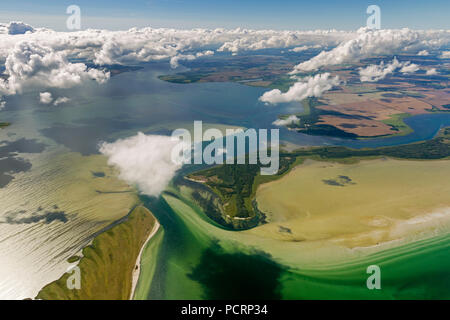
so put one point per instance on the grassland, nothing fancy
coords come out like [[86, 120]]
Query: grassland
[[397, 124], [107, 265]]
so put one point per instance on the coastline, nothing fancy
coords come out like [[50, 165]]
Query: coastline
[[137, 270], [106, 267]]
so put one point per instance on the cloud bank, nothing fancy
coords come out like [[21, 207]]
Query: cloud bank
[[369, 43], [30, 65], [40, 58]]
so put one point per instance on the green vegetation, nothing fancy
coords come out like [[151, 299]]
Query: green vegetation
[[184, 77], [255, 70], [282, 83], [437, 148], [107, 265], [4, 124], [234, 185], [397, 124], [73, 259]]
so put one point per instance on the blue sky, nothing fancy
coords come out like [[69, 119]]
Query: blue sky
[[258, 14]]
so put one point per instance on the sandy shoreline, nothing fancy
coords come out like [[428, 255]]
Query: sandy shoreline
[[137, 271]]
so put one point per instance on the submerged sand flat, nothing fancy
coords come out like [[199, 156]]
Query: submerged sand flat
[[50, 213], [366, 204]]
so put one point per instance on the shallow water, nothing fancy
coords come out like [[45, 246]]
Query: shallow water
[[65, 138], [200, 260]]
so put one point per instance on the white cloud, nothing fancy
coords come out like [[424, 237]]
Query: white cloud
[[432, 72], [2, 104], [61, 100], [423, 53], [15, 27], [30, 65], [39, 57], [409, 67], [174, 61], [251, 40], [144, 161], [307, 87], [299, 49], [284, 122], [369, 43], [375, 72], [445, 55], [304, 48], [205, 53], [45, 97]]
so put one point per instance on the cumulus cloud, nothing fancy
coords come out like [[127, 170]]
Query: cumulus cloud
[[15, 27], [304, 48], [251, 40], [373, 72], [423, 53], [144, 161], [289, 120], [445, 55], [33, 48], [150, 44], [45, 97], [432, 72], [61, 100], [307, 87], [30, 65], [2, 104], [368, 43], [409, 67], [43, 58], [174, 61]]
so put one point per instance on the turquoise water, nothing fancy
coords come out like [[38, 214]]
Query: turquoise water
[[200, 260], [192, 264]]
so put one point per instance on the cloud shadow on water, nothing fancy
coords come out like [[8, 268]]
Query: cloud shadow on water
[[237, 275]]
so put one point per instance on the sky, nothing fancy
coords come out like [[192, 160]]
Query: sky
[[255, 14]]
